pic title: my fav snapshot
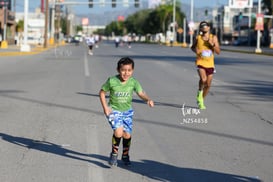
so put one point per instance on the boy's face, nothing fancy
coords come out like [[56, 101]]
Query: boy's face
[[125, 72]]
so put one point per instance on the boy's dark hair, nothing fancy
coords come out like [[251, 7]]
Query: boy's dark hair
[[125, 61]]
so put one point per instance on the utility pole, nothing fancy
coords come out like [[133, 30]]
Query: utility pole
[[42, 6], [258, 49], [14, 6], [67, 22], [58, 14], [191, 36], [4, 43], [174, 19], [25, 47], [52, 33], [46, 24]]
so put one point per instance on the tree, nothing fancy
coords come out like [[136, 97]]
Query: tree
[[165, 14], [268, 7], [79, 28], [114, 27], [64, 25], [148, 21], [20, 26], [153, 20], [136, 22]]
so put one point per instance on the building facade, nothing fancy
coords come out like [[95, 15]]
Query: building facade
[[236, 26], [7, 21]]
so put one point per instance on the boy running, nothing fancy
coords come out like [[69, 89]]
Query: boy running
[[119, 110], [204, 46]]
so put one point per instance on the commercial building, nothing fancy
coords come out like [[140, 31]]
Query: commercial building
[[237, 26], [36, 26], [7, 21]]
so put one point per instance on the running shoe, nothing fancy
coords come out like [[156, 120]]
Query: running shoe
[[126, 160], [113, 161], [201, 105]]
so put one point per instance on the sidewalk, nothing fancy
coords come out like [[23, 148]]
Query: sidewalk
[[14, 50], [241, 49], [245, 49]]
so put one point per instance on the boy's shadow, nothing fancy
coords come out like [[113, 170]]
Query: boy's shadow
[[151, 169], [139, 101], [166, 172], [49, 147]]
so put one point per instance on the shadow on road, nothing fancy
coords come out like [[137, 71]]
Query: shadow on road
[[256, 89], [139, 101], [174, 126], [48, 147], [166, 172], [150, 169]]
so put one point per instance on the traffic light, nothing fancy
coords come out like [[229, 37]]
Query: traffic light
[[114, 3], [90, 4], [136, 3]]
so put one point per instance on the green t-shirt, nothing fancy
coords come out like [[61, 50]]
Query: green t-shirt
[[121, 95]]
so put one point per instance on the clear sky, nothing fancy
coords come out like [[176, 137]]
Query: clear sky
[[206, 3], [84, 8]]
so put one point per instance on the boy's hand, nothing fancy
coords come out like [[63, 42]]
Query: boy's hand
[[146, 98], [107, 111], [150, 103]]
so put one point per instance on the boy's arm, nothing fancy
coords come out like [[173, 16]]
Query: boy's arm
[[104, 104], [146, 98]]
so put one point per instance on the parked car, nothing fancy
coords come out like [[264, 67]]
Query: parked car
[[239, 42]]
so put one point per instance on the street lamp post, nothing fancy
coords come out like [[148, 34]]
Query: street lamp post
[[184, 33], [249, 26], [258, 49], [174, 13], [46, 25], [25, 47]]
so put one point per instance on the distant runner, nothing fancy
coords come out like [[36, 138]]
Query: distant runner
[[90, 41], [205, 45]]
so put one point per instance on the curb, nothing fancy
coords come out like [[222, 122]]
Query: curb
[[34, 50], [247, 52]]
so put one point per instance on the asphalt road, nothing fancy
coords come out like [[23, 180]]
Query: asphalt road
[[52, 128]]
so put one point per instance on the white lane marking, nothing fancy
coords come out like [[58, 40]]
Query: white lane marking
[[65, 145], [86, 66]]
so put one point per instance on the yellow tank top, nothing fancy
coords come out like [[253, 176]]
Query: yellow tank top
[[206, 57]]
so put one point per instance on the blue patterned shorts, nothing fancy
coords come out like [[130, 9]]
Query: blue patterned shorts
[[119, 119]]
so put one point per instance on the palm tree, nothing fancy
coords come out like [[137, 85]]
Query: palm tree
[[268, 5], [164, 13]]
